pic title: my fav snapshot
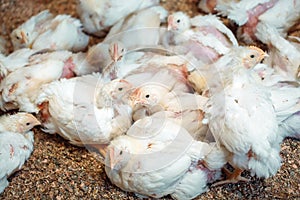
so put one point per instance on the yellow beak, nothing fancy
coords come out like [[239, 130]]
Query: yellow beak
[[24, 39]]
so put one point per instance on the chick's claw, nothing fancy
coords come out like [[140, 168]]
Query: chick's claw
[[231, 177]]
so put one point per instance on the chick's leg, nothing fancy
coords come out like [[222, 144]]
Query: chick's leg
[[232, 177]]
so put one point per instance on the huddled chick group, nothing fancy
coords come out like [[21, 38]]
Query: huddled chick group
[[167, 100]]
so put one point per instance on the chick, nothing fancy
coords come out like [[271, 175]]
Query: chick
[[21, 122], [16, 143], [236, 111], [44, 31]]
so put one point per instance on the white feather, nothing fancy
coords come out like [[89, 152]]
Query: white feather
[[75, 115], [98, 16], [15, 149]]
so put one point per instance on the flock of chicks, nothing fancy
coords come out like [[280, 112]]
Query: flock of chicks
[[166, 106]]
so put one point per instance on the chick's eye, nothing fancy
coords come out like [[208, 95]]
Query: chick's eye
[[120, 89], [18, 37], [252, 56], [28, 123], [147, 96], [178, 21], [121, 152]]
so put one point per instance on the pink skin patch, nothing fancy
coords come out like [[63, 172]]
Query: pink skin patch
[[68, 71], [261, 74], [203, 53], [250, 27], [210, 173]]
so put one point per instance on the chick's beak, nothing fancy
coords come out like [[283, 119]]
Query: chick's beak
[[171, 24], [33, 120], [23, 38], [116, 55], [263, 57], [37, 123], [134, 97]]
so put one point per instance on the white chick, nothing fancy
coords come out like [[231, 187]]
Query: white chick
[[131, 31], [84, 110], [45, 32], [16, 144], [236, 114], [20, 122], [98, 16], [186, 109], [157, 157], [207, 40], [20, 88], [26, 33]]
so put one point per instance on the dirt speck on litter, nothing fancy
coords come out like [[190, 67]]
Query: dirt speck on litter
[[58, 170]]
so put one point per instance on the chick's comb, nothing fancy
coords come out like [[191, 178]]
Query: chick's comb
[[256, 48]]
